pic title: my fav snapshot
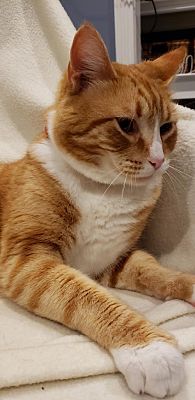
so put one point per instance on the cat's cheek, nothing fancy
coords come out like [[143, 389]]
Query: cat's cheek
[[156, 369]]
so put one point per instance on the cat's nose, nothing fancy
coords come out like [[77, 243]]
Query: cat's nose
[[156, 162]]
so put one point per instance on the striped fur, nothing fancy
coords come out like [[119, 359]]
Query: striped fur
[[77, 203]]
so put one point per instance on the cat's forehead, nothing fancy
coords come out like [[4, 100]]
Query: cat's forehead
[[131, 94], [126, 97], [144, 96]]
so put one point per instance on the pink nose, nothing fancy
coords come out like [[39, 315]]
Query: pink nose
[[156, 162]]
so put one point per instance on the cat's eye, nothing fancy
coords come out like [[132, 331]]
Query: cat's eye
[[127, 125], [166, 128]]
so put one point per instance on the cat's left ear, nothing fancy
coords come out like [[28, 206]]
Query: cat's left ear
[[89, 59], [165, 67]]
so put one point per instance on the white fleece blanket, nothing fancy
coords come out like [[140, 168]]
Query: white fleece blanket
[[35, 38]]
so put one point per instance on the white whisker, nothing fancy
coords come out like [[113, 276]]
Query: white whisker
[[135, 180], [169, 183], [130, 183], [123, 189], [116, 177], [177, 180], [180, 172], [172, 186]]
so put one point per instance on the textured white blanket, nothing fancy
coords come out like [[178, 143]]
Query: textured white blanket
[[35, 37]]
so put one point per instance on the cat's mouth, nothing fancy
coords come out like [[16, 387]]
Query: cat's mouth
[[145, 174], [139, 179], [139, 176]]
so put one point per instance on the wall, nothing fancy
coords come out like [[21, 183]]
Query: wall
[[100, 13]]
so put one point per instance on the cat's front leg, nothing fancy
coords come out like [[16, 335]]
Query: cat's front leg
[[38, 280], [142, 273]]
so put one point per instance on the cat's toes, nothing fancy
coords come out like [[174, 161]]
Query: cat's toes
[[191, 300], [156, 369], [183, 288]]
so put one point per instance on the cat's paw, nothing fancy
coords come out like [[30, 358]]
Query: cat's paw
[[191, 300], [156, 369], [182, 287]]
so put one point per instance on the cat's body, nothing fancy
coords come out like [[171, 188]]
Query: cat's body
[[105, 225], [74, 208], [106, 217]]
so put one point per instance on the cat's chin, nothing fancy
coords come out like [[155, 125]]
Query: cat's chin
[[143, 180], [154, 178]]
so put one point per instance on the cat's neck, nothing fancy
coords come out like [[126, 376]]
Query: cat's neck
[[57, 165]]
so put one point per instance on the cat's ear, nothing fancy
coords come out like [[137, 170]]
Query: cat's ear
[[89, 59], [165, 67]]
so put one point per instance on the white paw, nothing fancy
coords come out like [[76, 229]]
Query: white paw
[[156, 369]]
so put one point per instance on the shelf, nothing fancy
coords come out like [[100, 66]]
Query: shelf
[[167, 6], [184, 86]]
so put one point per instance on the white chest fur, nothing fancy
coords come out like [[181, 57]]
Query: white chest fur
[[104, 231]]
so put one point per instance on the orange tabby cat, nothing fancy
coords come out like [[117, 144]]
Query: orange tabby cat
[[74, 207]]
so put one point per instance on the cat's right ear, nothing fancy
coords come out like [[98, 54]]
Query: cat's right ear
[[165, 67], [89, 59]]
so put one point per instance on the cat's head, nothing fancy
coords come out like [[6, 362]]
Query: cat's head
[[111, 119]]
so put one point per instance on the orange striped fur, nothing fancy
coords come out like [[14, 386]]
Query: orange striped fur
[[40, 216]]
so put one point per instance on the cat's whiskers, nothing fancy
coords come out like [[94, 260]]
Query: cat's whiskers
[[176, 173], [180, 172], [124, 184], [171, 185], [176, 179], [167, 181], [130, 183], [116, 177], [135, 175]]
